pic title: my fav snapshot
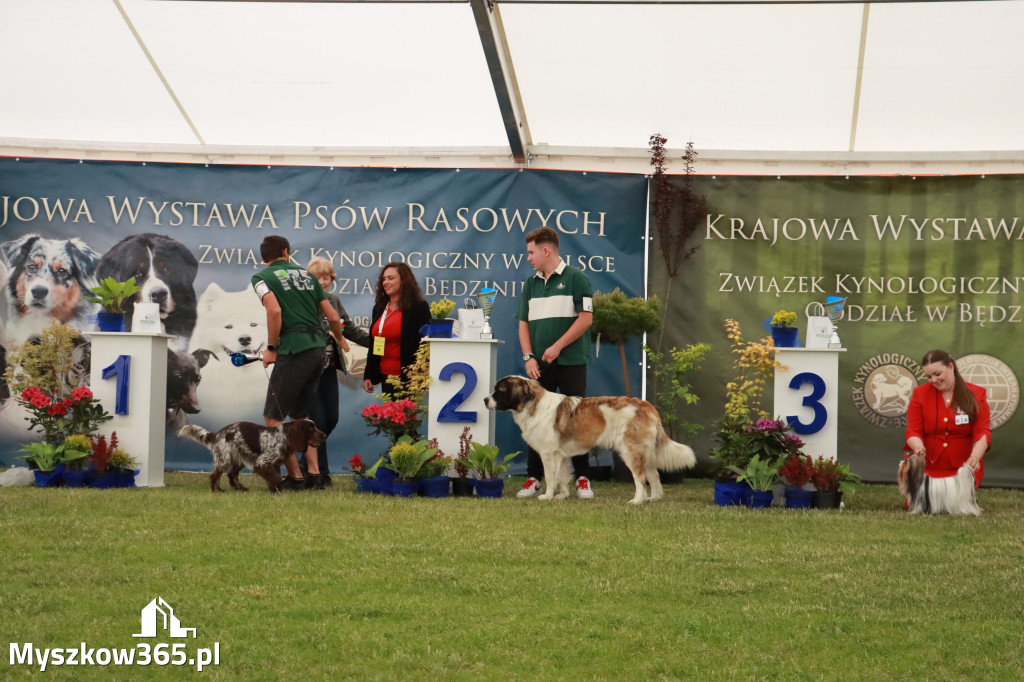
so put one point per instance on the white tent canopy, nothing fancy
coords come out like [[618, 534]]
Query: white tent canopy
[[829, 80]]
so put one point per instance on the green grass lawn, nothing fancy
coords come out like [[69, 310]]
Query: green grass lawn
[[334, 585]]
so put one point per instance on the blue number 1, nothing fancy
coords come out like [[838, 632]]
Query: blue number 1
[[812, 401], [122, 369]]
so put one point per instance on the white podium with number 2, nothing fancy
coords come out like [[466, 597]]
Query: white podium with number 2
[[462, 374], [807, 396], [128, 376]]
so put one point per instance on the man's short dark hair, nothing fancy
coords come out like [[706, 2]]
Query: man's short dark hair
[[543, 235], [273, 247]]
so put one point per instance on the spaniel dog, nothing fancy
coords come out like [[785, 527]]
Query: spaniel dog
[[261, 448], [927, 495]]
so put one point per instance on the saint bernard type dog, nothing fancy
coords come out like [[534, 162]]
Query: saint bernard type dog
[[559, 426]]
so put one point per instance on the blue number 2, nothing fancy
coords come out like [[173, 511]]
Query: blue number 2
[[450, 412], [812, 401], [122, 368]]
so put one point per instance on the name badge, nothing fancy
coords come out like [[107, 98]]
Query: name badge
[[962, 419], [378, 347]]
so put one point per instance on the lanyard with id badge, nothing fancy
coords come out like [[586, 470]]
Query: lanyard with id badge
[[378, 341]]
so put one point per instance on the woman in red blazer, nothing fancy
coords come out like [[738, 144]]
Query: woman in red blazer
[[948, 420]]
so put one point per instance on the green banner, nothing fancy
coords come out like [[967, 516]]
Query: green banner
[[924, 262]]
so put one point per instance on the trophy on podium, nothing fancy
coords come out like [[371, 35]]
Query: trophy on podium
[[834, 309], [486, 298]]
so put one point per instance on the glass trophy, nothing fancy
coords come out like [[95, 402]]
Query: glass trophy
[[486, 298], [834, 309]]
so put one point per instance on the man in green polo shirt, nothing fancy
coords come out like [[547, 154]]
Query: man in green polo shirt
[[296, 345], [555, 313]]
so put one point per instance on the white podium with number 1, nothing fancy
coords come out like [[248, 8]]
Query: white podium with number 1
[[135, 392]]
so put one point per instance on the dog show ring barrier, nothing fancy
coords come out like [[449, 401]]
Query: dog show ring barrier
[[807, 396], [128, 375], [462, 374]]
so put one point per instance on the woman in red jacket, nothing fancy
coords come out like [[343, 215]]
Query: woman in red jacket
[[948, 423]]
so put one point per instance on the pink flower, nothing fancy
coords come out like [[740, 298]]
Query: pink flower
[[59, 408]]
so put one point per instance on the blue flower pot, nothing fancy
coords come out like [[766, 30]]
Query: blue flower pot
[[110, 322], [731, 493], [125, 478], [405, 488], [107, 479], [798, 498], [436, 486], [49, 479], [75, 478], [785, 337], [385, 479], [365, 485], [760, 499], [440, 329], [489, 487]]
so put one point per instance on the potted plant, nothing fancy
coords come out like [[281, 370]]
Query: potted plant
[[797, 470], [363, 482], [44, 458], [440, 325], [760, 475], [434, 481], [831, 479], [753, 363], [101, 475], [395, 418], [76, 449], [407, 458], [462, 486], [783, 331], [617, 318], [484, 461], [112, 295], [124, 467]]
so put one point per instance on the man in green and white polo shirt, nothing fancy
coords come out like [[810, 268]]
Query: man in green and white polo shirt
[[555, 313]]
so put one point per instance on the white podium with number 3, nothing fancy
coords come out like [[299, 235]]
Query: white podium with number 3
[[807, 396]]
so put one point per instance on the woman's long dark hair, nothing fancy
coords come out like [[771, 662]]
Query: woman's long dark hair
[[407, 295], [962, 396]]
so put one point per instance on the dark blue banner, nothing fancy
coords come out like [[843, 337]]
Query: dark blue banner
[[459, 230]]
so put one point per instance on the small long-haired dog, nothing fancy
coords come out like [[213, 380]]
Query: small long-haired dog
[[559, 426], [47, 280], [927, 495], [261, 448]]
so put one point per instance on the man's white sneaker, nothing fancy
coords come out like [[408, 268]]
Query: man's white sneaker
[[583, 490], [530, 488]]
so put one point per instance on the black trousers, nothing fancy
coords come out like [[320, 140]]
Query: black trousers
[[568, 380]]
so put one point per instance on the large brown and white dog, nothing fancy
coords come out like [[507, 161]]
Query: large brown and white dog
[[927, 495], [559, 426], [261, 448]]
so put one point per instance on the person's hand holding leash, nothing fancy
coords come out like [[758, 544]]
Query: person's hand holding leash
[[269, 357]]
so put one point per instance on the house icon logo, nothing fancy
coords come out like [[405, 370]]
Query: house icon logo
[[156, 611]]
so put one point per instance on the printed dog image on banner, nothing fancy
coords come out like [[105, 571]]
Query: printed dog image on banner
[[166, 271], [47, 279], [228, 322]]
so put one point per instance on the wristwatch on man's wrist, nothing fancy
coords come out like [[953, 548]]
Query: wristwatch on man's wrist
[[527, 357], [271, 346]]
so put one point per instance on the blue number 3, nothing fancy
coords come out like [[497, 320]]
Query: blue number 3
[[812, 401], [450, 412]]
